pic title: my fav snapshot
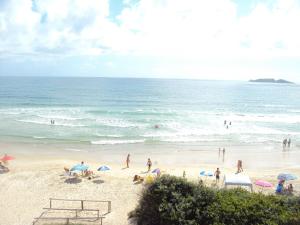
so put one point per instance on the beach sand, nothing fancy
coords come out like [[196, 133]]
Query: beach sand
[[37, 175]]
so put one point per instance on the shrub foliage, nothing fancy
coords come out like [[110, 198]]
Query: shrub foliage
[[175, 201]]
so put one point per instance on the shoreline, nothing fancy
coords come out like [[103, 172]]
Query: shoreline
[[253, 156]]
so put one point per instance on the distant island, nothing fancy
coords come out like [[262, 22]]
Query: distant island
[[271, 80]]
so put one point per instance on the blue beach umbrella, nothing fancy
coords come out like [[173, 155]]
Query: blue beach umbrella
[[103, 168], [206, 173], [286, 176], [79, 167]]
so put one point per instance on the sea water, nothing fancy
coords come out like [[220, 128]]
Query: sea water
[[117, 111]]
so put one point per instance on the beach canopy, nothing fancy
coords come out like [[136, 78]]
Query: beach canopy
[[7, 158], [286, 176], [79, 167], [103, 168], [157, 170], [263, 183], [206, 173], [237, 179]]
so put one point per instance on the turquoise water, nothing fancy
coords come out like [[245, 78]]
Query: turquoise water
[[101, 111]]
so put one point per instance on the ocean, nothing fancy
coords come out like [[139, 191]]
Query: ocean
[[117, 111]]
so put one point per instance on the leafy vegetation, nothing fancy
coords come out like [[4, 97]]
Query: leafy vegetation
[[175, 201]]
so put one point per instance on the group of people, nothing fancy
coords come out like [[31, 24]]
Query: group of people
[[280, 189], [286, 143], [52, 122], [239, 170], [149, 163], [227, 124], [223, 153], [222, 150]]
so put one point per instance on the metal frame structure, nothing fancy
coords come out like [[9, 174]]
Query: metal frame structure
[[76, 210]]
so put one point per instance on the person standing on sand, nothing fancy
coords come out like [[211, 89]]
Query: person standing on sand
[[223, 154], [219, 152], [128, 160], [289, 143], [217, 174], [149, 164], [239, 166], [225, 122], [284, 143]]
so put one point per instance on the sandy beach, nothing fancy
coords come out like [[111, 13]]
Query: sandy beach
[[37, 174]]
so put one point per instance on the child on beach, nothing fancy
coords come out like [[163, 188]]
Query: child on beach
[[217, 174], [149, 164]]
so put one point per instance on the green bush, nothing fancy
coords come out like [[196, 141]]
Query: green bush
[[175, 201]]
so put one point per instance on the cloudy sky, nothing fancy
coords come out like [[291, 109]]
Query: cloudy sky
[[215, 39]]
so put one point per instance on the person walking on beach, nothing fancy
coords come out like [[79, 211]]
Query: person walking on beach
[[225, 122], [223, 154], [219, 152], [128, 160], [149, 164], [217, 174], [284, 143], [289, 143], [239, 166]]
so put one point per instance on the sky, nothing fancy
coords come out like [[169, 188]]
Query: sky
[[197, 39]]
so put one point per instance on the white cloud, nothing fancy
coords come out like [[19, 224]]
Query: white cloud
[[188, 32]]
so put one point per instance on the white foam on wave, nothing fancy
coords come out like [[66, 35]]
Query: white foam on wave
[[58, 117], [39, 137], [115, 142], [265, 118], [42, 122], [113, 122], [110, 135], [191, 139], [74, 150]]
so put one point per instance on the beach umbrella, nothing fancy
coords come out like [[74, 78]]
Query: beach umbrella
[[7, 158], [263, 183], [286, 176], [103, 168], [79, 167], [206, 173], [157, 170]]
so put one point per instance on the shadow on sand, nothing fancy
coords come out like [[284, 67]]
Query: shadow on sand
[[98, 181], [73, 180]]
